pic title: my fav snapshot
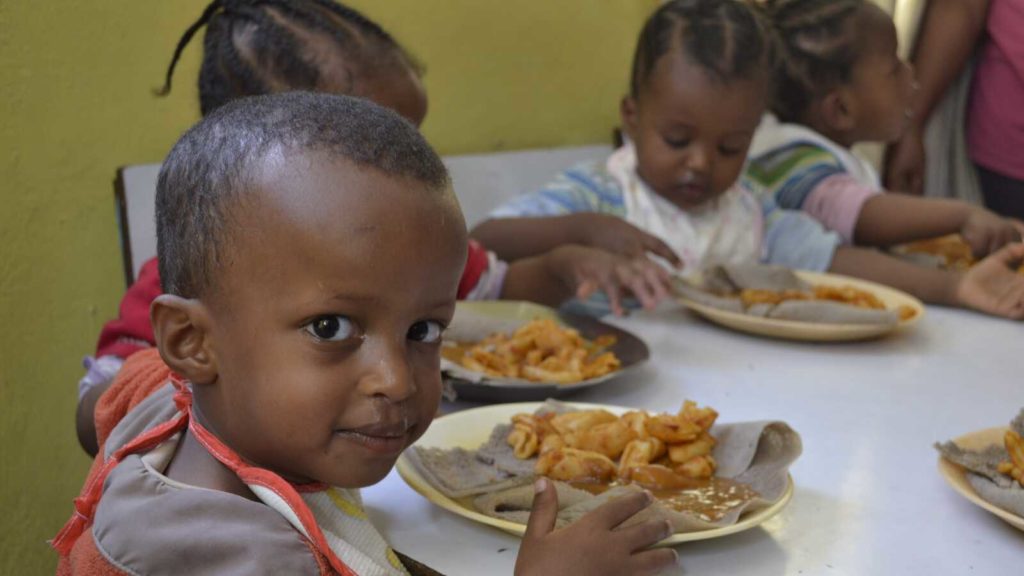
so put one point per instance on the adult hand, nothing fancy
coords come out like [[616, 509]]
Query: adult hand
[[904, 164]]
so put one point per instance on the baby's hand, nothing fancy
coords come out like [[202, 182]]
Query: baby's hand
[[987, 232], [994, 286], [619, 237], [589, 270], [592, 545]]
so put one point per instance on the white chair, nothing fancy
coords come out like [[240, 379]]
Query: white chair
[[481, 181]]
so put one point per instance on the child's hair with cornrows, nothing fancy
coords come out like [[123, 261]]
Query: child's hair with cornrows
[[725, 37], [257, 47], [817, 50]]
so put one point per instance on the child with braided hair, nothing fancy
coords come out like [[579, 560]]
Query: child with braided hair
[[701, 80], [254, 47], [839, 81]]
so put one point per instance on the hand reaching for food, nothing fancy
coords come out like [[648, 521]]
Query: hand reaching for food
[[992, 286], [615, 235], [587, 270], [985, 232], [597, 544]]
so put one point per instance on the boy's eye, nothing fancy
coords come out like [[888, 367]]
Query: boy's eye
[[427, 331], [677, 142], [331, 328]]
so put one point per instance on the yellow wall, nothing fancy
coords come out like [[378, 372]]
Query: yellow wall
[[75, 103]]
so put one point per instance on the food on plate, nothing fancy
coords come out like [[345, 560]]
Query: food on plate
[[1014, 465], [948, 251], [658, 452], [778, 293], [540, 351], [703, 474], [848, 295], [994, 470]]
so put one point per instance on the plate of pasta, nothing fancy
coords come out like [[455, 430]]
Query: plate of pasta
[[469, 463], [514, 351], [802, 305]]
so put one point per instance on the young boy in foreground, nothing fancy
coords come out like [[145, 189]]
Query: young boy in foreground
[[310, 248]]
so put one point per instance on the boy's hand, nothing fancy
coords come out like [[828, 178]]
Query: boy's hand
[[617, 236], [987, 232], [593, 545], [994, 286], [587, 270]]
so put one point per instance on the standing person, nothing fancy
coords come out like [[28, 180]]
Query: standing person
[[953, 31]]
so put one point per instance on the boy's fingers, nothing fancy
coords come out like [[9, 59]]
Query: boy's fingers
[[630, 277], [544, 511], [654, 561], [585, 289], [640, 536], [657, 246], [1011, 255], [621, 509]]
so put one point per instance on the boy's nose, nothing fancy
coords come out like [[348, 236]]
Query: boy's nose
[[698, 160], [388, 373]]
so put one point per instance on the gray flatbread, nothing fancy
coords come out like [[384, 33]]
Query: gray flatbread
[[708, 298], [993, 486], [457, 472], [763, 277], [825, 312]]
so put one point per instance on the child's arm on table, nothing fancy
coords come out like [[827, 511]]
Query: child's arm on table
[[593, 545], [992, 286], [515, 238], [572, 270], [887, 219]]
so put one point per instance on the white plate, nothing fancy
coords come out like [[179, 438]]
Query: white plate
[[471, 428], [813, 331]]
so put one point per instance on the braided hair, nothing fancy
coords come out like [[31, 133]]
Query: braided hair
[[725, 37], [818, 48], [257, 47]]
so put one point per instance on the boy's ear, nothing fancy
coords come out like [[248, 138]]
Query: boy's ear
[[182, 331], [837, 111], [627, 110]]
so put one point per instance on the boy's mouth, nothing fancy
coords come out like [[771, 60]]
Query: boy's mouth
[[383, 438]]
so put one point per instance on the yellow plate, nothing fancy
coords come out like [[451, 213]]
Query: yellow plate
[[471, 428], [812, 331], [956, 475]]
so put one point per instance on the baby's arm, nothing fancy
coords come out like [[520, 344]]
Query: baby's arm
[[573, 270], [595, 544], [992, 286], [515, 238], [887, 219]]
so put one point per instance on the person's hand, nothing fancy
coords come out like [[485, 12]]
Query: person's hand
[[595, 544], [994, 286], [588, 270], [904, 164], [617, 236], [987, 232]]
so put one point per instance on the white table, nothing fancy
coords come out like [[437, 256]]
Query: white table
[[869, 499]]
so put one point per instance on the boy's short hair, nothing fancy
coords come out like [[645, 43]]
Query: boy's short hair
[[215, 162]]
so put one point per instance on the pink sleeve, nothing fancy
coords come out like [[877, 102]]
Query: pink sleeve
[[836, 202]]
